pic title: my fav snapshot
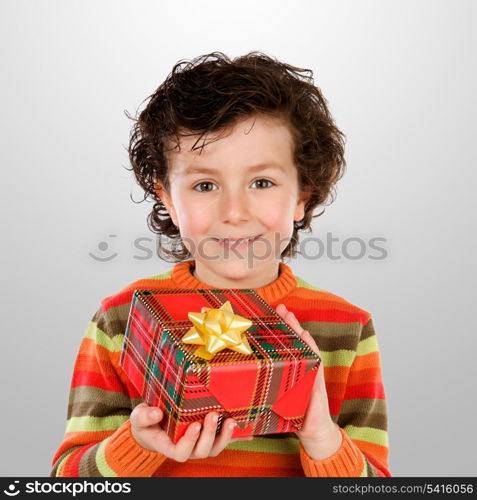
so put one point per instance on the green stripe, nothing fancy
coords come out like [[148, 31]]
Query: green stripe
[[284, 446], [101, 463], [337, 358], [364, 472], [367, 346], [111, 344], [369, 434], [300, 283], [59, 470], [95, 424], [164, 276]]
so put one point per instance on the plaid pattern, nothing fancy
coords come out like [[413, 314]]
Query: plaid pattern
[[266, 392]]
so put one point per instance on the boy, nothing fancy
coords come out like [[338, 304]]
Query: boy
[[236, 154]]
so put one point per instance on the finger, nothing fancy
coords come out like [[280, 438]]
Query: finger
[[305, 335], [289, 318], [144, 415], [248, 438], [310, 341], [186, 443], [281, 310], [207, 436], [224, 437]]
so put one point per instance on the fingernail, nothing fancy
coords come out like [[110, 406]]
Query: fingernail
[[154, 414], [196, 428], [215, 418], [232, 425]]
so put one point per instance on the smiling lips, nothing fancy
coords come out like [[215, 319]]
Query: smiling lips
[[236, 242]]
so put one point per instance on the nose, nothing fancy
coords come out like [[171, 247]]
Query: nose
[[234, 207]]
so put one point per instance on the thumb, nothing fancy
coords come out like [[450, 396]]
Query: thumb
[[155, 415]]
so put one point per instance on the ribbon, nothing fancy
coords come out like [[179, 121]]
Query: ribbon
[[218, 329]]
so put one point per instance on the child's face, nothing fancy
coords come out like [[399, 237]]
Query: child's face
[[235, 200]]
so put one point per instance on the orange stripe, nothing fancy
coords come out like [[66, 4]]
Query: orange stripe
[[365, 368], [85, 437], [335, 389], [125, 294], [365, 361], [257, 458], [300, 294], [95, 358], [336, 374], [92, 365], [372, 449], [186, 470], [368, 374], [89, 347], [104, 365], [146, 283], [64, 470], [72, 439]]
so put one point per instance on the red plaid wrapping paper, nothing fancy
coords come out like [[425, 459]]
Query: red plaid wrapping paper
[[266, 392]]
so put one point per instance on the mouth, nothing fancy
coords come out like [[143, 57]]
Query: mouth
[[238, 242]]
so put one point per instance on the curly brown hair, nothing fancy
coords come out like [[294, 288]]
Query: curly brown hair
[[213, 92]]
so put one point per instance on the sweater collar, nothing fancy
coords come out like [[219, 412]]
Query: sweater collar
[[271, 293]]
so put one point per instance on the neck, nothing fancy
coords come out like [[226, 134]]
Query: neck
[[254, 281], [272, 289]]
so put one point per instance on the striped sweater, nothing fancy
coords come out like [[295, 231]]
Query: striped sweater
[[98, 440]]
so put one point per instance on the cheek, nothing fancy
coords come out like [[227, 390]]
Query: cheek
[[194, 218], [278, 214], [277, 217]]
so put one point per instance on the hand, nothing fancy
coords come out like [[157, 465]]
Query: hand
[[319, 435], [193, 444]]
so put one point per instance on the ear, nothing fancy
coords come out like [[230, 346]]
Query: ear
[[300, 205], [166, 198]]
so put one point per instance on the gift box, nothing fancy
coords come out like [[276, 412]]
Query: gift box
[[194, 351]]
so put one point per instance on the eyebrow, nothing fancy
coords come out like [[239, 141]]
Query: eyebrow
[[198, 169]]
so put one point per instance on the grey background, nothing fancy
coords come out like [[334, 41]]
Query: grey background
[[400, 78]]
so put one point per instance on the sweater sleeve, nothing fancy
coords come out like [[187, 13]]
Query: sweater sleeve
[[97, 440], [362, 420]]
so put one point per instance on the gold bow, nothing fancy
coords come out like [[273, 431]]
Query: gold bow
[[217, 329]]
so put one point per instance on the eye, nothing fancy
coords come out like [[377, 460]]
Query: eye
[[203, 184], [262, 180]]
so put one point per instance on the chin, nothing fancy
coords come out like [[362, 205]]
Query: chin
[[238, 269]]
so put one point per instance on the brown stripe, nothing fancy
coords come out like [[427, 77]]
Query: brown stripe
[[329, 329], [95, 410], [113, 322], [364, 406], [364, 413], [375, 420], [368, 330], [55, 468], [87, 466], [282, 435], [334, 336], [135, 402], [54, 471], [92, 401], [369, 468]]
